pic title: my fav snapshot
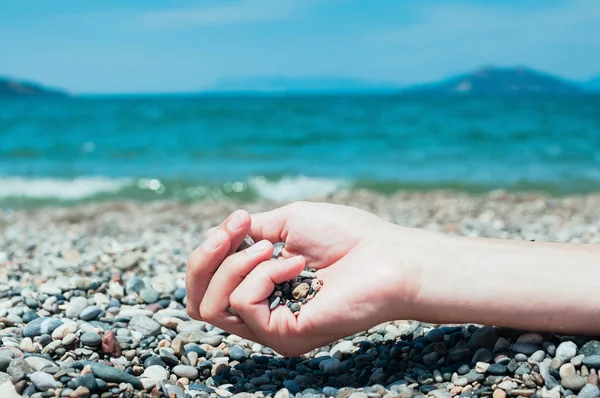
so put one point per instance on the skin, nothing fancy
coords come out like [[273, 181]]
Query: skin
[[375, 271]]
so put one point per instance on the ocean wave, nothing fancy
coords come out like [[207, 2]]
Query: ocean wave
[[295, 188], [62, 189]]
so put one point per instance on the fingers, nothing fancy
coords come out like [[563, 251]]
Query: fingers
[[271, 225], [206, 258], [250, 298], [226, 279]]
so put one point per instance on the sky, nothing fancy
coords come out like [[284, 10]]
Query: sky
[[126, 46]]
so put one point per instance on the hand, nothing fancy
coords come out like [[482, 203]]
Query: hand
[[357, 257]]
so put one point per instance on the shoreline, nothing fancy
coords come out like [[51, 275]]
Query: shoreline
[[106, 281]]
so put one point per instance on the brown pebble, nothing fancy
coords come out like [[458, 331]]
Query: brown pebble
[[593, 379], [300, 291], [522, 393], [499, 393], [110, 345], [81, 392]]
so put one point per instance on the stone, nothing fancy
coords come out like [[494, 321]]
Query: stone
[[128, 260], [81, 392], [341, 348], [67, 327], [525, 348], [87, 380], [300, 291], [149, 295], [589, 391], [331, 366], [90, 339], [42, 381], [110, 345], [566, 350], [484, 337], [497, 369], [186, 371], [146, 326], [75, 306], [39, 326], [592, 361], [592, 347], [537, 356], [567, 369], [156, 373], [90, 313], [499, 393], [111, 374], [530, 338], [237, 353], [39, 363], [573, 382]]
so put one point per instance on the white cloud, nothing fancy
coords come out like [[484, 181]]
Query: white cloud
[[238, 12]]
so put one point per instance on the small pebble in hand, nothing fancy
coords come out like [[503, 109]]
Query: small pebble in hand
[[293, 293]]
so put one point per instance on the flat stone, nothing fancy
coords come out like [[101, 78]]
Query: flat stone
[[186, 371], [90, 339], [111, 374], [40, 326], [146, 326], [90, 313], [39, 363], [525, 348], [88, 381], [149, 295], [497, 369], [128, 260], [156, 373], [42, 381]]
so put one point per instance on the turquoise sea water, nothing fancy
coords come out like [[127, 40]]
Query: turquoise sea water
[[287, 148]]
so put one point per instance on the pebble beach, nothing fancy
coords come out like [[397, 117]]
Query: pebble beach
[[92, 304]]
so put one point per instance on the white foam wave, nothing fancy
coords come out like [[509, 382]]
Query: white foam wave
[[295, 188], [47, 188]]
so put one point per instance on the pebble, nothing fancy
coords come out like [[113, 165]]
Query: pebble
[[42, 381], [566, 350], [186, 371], [573, 382], [90, 313], [39, 326], [90, 339], [589, 391], [146, 326]]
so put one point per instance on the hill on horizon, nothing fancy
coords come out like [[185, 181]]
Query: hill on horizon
[[499, 81]]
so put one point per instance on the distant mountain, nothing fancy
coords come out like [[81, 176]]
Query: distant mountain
[[499, 81], [12, 88], [299, 85]]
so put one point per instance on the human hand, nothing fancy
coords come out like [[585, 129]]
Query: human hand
[[357, 256]]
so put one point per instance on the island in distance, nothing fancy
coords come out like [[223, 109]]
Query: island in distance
[[14, 88]]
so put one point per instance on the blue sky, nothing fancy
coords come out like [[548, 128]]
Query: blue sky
[[118, 46]]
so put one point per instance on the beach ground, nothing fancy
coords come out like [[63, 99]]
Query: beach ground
[[105, 283]]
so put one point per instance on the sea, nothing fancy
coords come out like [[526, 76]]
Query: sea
[[65, 151]]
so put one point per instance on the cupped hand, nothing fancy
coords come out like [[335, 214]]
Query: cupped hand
[[357, 255]]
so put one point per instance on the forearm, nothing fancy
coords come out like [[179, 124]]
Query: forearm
[[528, 285]]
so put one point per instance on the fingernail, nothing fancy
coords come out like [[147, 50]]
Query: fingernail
[[214, 241], [235, 223], [258, 247]]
